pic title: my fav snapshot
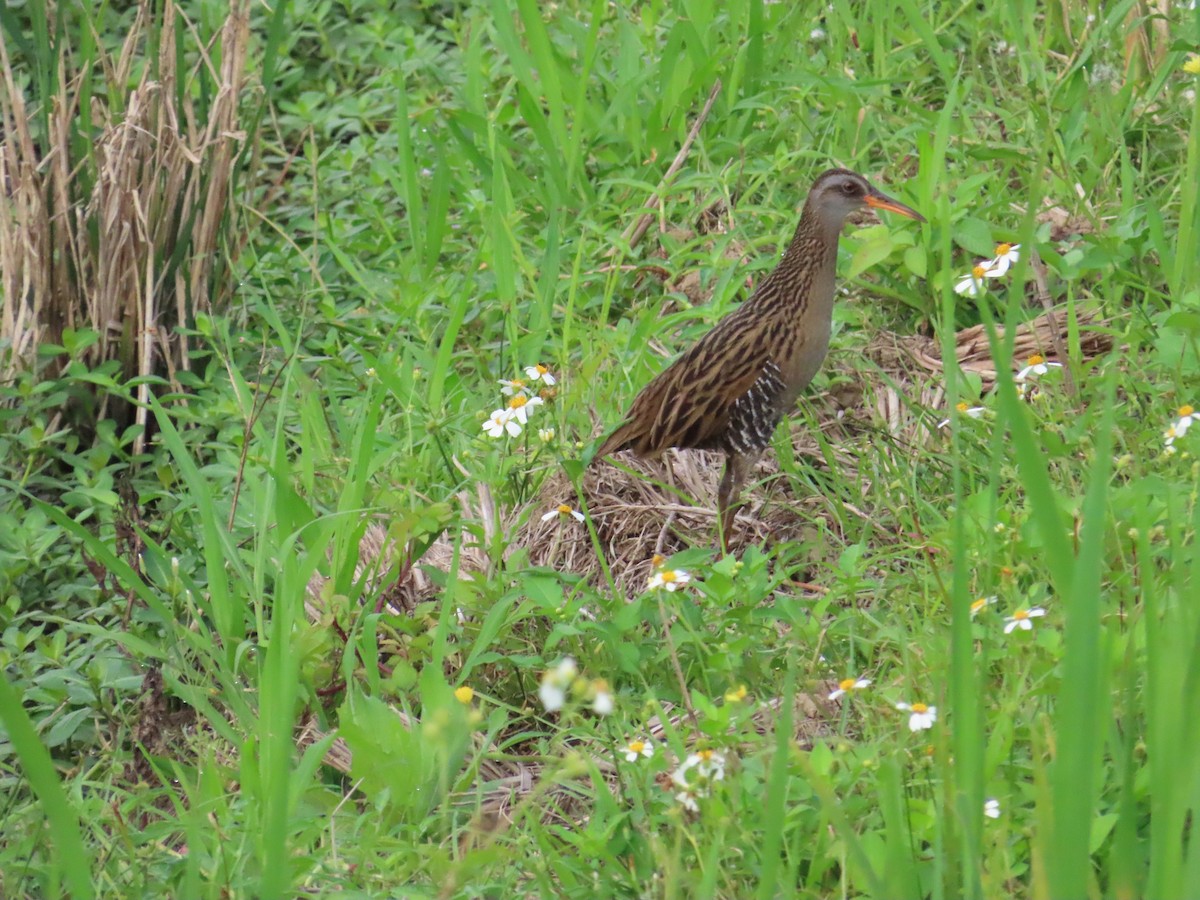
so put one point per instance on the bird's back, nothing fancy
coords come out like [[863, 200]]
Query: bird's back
[[692, 402]]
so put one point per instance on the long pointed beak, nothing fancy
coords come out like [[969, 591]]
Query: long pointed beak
[[876, 200]]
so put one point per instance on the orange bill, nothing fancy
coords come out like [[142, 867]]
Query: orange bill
[[876, 200]]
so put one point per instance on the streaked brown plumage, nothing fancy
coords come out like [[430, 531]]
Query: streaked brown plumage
[[729, 391]]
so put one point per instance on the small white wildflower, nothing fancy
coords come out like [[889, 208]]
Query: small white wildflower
[[1036, 365], [991, 808], [669, 579], [1006, 255], [499, 422], [545, 435], [1020, 619], [846, 685], [981, 604], [972, 283], [922, 716], [553, 689], [563, 510], [638, 749], [602, 699], [971, 412], [510, 387], [1187, 415], [521, 406], [540, 373], [687, 800]]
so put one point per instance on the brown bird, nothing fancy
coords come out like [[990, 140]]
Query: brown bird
[[729, 391]]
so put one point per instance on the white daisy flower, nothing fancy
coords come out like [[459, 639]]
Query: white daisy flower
[[981, 604], [563, 510], [552, 695], [669, 579], [521, 406], [555, 682], [1006, 255], [922, 716], [1020, 619], [602, 699], [540, 373], [638, 749], [1036, 365], [972, 283], [846, 685], [510, 387], [962, 409], [687, 800], [499, 422], [1187, 415]]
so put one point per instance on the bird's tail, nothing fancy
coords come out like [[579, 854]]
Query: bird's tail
[[621, 439]]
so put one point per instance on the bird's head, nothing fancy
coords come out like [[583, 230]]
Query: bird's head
[[838, 192]]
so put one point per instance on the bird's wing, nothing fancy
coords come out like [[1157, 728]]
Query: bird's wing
[[689, 403]]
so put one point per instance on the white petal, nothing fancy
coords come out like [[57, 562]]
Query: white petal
[[968, 286], [552, 696]]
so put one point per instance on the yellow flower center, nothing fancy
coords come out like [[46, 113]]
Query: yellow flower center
[[705, 755], [657, 560], [637, 746], [846, 684], [920, 708], [464, 694], [540, 369], [518, 401], [1002, 249], [1037, 359], [669, 576], [564, 509], [979, 604], [962, 407], [978, 272], [1021, 614], [1186, 410]]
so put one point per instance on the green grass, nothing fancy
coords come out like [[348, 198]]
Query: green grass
[[458, 182]]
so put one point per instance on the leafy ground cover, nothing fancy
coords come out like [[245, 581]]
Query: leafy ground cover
[[1001, 594]]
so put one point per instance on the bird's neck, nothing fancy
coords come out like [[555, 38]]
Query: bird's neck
[[802, 284], [815, 240]]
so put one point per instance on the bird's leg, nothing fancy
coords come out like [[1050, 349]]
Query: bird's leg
[[737, 470], [670, 471]]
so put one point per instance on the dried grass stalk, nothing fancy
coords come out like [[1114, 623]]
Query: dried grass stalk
[[123, 238]]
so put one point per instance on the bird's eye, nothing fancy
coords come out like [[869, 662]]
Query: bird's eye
[[849, 187]]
